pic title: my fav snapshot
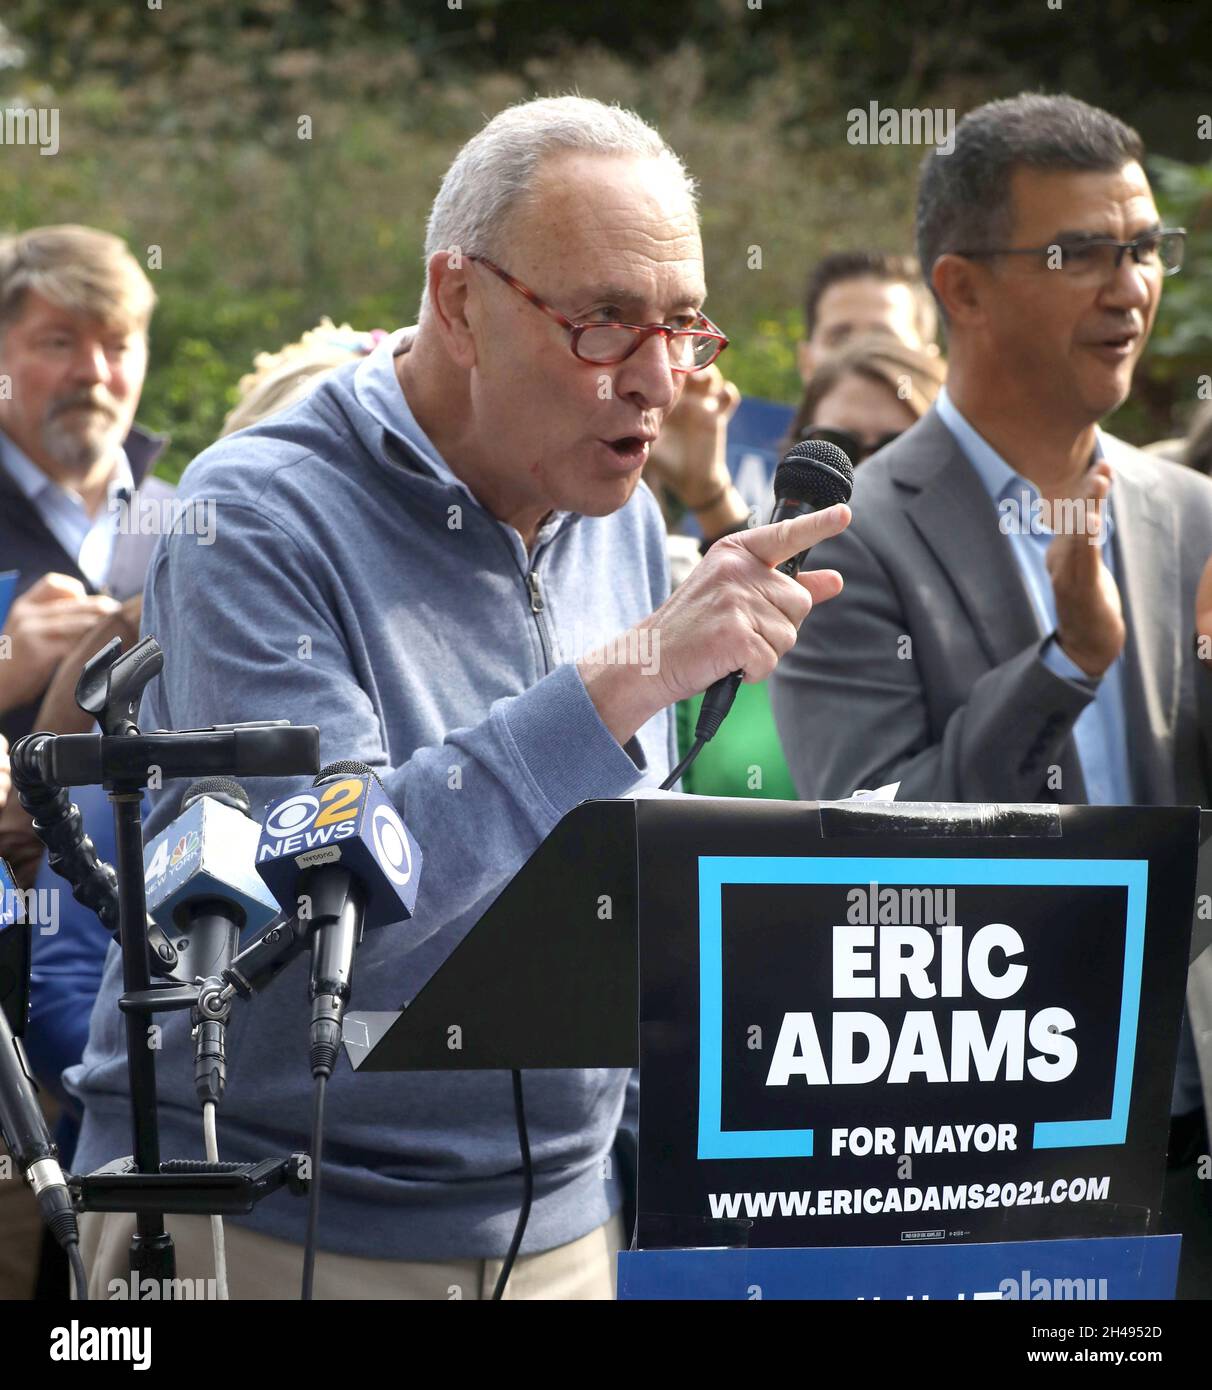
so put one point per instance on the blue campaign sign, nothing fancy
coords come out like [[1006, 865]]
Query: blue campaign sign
[[756, 434], [907, 1037], [715, 873], [1135, 1267]]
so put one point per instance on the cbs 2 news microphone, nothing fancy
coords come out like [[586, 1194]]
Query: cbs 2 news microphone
[[340, 857]]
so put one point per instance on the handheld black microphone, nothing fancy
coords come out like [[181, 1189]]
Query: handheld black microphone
[[23, 1126], [813, 476], [340, 857]]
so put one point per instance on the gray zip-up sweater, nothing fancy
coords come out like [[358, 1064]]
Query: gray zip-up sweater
[[356, 584]]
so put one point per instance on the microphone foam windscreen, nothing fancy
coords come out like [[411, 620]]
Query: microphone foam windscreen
[[816, 472], [223, 789]]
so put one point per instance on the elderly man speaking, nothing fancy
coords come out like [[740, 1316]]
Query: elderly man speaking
[[445, 559]]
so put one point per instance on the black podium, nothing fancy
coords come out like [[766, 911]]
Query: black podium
[[549, 975], [859, 1025]]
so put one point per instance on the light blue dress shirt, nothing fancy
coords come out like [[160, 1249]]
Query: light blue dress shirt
[[1101, 731], [1101, 728], [89, 540]]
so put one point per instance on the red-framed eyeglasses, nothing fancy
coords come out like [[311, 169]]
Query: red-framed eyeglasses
[[605, 344]]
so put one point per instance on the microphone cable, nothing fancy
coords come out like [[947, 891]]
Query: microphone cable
[[209, 1015], [519, 1113], [319, 1094], [684, 766], [716, 704], [79, 1274], [347, 895], [218, 1241], [320, 1079]]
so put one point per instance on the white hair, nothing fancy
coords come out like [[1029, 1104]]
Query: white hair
[[497, 167]]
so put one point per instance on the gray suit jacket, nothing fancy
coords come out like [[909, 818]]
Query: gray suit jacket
[[927, 669]]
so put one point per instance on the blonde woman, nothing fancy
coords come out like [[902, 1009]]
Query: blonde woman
[[281, 378]]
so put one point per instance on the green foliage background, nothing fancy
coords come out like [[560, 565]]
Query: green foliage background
[[180, 125]]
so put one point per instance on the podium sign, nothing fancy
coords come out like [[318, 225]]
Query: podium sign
[[860, 1030], [1132, 1267]]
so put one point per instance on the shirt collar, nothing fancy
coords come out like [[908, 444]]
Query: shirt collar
[[999, 479], [35, 484], [377, 388], [23, 470]]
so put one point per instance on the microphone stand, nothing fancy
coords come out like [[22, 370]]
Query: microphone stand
[[151, 1247], [122, 760]]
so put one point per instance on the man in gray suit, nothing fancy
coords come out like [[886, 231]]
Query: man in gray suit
[[1018, 622]]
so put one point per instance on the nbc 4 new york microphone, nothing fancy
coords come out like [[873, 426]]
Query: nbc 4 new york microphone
[[201, 868], [204, 893], [340, 856]]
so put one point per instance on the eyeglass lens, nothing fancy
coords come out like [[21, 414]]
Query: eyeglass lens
[[611, 342], [1165, 251]]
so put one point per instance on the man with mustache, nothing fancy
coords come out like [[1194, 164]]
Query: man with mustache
[[74, 312]]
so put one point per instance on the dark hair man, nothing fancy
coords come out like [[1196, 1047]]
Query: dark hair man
[[1020, 585], [851, 293]]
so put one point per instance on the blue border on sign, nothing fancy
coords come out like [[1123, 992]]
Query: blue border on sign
[[1117, 1267], [717, 870]]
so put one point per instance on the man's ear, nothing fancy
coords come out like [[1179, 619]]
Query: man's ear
[[805, 359], [448, 276], [959, 282]]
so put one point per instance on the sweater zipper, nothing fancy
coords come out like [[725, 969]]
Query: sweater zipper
[[537, 607]]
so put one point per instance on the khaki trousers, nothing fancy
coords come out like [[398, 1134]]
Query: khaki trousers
[[262, 1267]]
